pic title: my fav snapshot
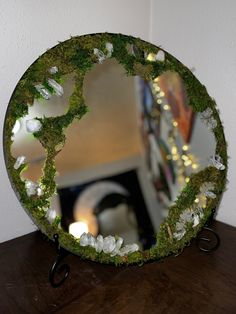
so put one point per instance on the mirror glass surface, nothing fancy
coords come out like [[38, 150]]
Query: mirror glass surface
[[125, 162]]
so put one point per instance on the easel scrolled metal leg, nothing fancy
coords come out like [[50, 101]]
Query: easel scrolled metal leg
[[208, 240], [58, 269]]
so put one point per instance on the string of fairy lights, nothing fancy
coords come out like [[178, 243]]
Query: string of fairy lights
[[184, 160]]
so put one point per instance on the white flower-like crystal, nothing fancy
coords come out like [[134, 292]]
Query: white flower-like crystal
[[43, 91], [109, 48], [217, 162], [210, 194], [99, 244], [128, 248], [31, 188], [206, 114], [211, 122], [178, 235], [196, 219], [119, 243], [109, 244], [39, 191], [51, 215], [53, 70], [160, 56], [33, 125], [56, 87], [100, 55], [19, 161], [87, 239]]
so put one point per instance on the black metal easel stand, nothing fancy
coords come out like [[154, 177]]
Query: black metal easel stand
[[57, 270], [208, 240]]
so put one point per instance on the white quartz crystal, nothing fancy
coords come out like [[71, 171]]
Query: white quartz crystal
[[128, 248], [31, 188], [119, 243], [53, 70], [160, 56], [19, 161], [33, 125], [217, 162], [100, 55], [56, 87], [109, 244], [109, 48], [43, 91], [178, 235], [99, 244], [51, 215]]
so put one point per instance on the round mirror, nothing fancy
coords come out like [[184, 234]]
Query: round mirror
[[114, 145]]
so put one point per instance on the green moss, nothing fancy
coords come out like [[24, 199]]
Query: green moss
[[76, 56]]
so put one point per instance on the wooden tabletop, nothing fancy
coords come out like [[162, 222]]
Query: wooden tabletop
[[194, 282]]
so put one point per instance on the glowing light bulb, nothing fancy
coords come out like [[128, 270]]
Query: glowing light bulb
[[175, 123], [194, 166], [78, 228], [159, 101], [187, 179], [185, 147], [166, 107], [196, 200]]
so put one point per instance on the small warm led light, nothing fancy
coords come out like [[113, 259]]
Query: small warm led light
[[174, 150], [175, 157], [185, 147], [175, 123], [151, 57], [194, 166], [159, 101], [78, 228], [16, 127], [166, 107], [156, 79], [187, 163], [196, 200], [187, 179], [161, 94], [184, 157]]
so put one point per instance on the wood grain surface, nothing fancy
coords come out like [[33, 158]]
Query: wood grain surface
[[194, 282]]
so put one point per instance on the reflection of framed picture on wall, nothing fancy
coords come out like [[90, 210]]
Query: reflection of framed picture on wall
[[175, 96]]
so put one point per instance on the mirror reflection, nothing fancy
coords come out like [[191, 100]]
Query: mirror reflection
[[126, 161]]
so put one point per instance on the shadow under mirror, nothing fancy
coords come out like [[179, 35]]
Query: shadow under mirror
[[125, 162]]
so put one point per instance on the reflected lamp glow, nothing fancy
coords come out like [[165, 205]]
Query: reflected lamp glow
[[78, 228]]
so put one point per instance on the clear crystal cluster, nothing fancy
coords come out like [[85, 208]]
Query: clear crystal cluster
[[33, 125], [58, 89], [207, 117], [109, 245], [101, 55], [44, 92], [33, 188], [19, 161], [195, 213], [217, 162], [50, 215]]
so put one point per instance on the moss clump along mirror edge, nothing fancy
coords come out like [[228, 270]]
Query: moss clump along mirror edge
[[44, 78]]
